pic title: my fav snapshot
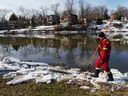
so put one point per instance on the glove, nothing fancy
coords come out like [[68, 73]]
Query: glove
[[99, 47]]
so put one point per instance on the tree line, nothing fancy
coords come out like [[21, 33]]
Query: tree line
[[84, 10]]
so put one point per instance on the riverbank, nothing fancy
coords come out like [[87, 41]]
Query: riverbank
[[21, 78], [56, 89]]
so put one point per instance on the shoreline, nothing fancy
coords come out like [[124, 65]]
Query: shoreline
[[57, 89], [41, 79]]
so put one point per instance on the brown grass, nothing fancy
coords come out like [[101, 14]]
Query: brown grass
[[53, 89]]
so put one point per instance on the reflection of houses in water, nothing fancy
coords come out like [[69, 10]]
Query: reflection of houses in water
[[34, 46], [69, 42], [120, 45], [46, 42], [16, 47], [23, 41], [124, 42]]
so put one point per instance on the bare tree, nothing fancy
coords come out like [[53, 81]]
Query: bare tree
[[106, 14], [3, 14], [34, 12], [27, 13], [24, 12], [69, 6], [82, 12], [54, 8], [44, 11], [98, 11], [82, 8], [88, 12], [102, 9], [121, 12]]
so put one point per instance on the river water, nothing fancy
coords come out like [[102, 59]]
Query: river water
[[69, 50]]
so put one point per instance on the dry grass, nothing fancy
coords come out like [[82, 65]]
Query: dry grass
[[52, 89]]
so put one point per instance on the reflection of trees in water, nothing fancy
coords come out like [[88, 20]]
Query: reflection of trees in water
[[84, 44], [119, 46], [49, 47], [30, 50], [16, 47], [89, 47], [72, 43], [30, 45], [5, 50], [33, 46], [56, 47]]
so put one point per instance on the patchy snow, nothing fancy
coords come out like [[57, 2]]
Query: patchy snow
[[35, 32], [30, 36], [45, 27], [3, 31], [116, 22], [41, 72], [20, 31]]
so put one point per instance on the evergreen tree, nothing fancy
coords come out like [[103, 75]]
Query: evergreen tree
[[33, 23], [13, 17], [106, 17], [40, 19]]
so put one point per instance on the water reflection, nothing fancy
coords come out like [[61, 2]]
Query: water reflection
[[73, 51]]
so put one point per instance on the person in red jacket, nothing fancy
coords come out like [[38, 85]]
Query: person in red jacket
[[104, 54]]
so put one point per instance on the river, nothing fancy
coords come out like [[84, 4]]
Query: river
[[68, 50]]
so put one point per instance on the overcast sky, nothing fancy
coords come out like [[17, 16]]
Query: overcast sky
[[36, 4]]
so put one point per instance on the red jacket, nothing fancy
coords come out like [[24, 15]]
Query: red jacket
[[105, 48]]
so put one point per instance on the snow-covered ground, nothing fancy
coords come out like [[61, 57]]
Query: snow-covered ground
[[38, 28], [45, 27], [21, 71], [30, 36], [111, 31]]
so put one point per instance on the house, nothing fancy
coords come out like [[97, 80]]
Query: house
[[4, 25], [8, 25], [52, 19], [72, 19], [12, 24]]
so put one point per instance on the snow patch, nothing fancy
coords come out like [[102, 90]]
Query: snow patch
[[42, 72]]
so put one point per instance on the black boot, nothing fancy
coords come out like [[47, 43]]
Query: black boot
[[96, 74], [110, 77]]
